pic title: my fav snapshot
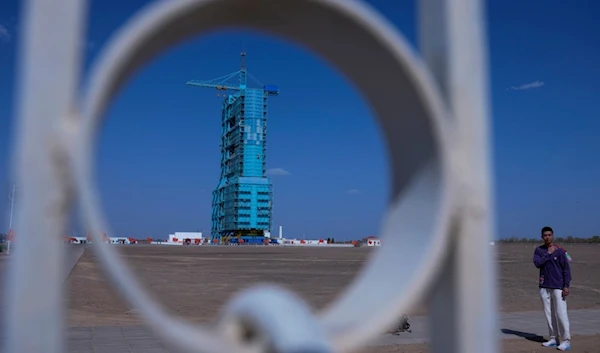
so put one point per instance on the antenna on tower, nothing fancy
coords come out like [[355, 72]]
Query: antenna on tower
[[243, 78]]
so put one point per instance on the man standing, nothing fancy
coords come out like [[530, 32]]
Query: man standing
[[555, 278]]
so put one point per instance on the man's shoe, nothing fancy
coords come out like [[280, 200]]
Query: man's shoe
[[564, 346], [550, 343]]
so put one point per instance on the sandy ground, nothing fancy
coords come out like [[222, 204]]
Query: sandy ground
[[195, 282], [581, 344]]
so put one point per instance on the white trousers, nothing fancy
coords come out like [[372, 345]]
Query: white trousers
[[555, 309]]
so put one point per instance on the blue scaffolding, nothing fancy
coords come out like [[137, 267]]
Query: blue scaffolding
[[242, 201]]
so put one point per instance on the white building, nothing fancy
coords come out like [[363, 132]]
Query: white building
[[181, 237], [372, 241], [119, 240], [110, 240]]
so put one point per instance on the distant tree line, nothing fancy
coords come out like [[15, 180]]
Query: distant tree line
[[568, 240]]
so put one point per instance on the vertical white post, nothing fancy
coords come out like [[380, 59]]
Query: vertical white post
[[280, 232], [453, 43], [49, 61], [476, 259], [12, 206]]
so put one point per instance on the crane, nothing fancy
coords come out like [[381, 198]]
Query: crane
[[221, 83]]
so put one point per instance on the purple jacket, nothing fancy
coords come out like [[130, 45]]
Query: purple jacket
[[555, 272]]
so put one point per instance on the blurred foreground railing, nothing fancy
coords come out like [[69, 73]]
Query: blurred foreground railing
[[433, 112]]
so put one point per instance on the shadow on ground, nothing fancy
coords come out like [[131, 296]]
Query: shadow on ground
[[528, 336]]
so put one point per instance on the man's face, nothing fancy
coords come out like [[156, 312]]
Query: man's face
[[548, 237]]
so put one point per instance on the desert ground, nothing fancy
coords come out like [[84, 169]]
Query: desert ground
[[195, 282]]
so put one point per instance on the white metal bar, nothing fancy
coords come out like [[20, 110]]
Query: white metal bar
[[469, 92], [10, 222], [49, 57], [424, 179], [454, 46], [422, 194], [434, 46], [12, 206]]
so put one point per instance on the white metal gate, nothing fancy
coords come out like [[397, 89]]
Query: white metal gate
[[433, 111]]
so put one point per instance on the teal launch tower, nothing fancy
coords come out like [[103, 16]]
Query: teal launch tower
[[242, 201]]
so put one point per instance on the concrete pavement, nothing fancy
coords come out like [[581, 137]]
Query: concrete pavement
[[530, 325], [75, 252], [134, 339]]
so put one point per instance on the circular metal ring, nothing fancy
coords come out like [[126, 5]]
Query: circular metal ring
[[415, 124]]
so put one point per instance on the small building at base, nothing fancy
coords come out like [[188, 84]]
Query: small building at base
[[185, 238], [372, 241], [109, 240]]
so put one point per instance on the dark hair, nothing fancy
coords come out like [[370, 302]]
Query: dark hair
[[547, 229]]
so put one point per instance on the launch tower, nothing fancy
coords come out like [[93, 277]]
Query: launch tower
[[242, 200]]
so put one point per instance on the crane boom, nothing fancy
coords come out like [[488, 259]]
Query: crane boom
[[218, 86]]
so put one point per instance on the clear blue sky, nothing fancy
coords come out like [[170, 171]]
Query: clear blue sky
[[159, 154]]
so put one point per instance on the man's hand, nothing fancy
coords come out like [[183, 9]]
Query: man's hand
[[551, 249], [565, 292]]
